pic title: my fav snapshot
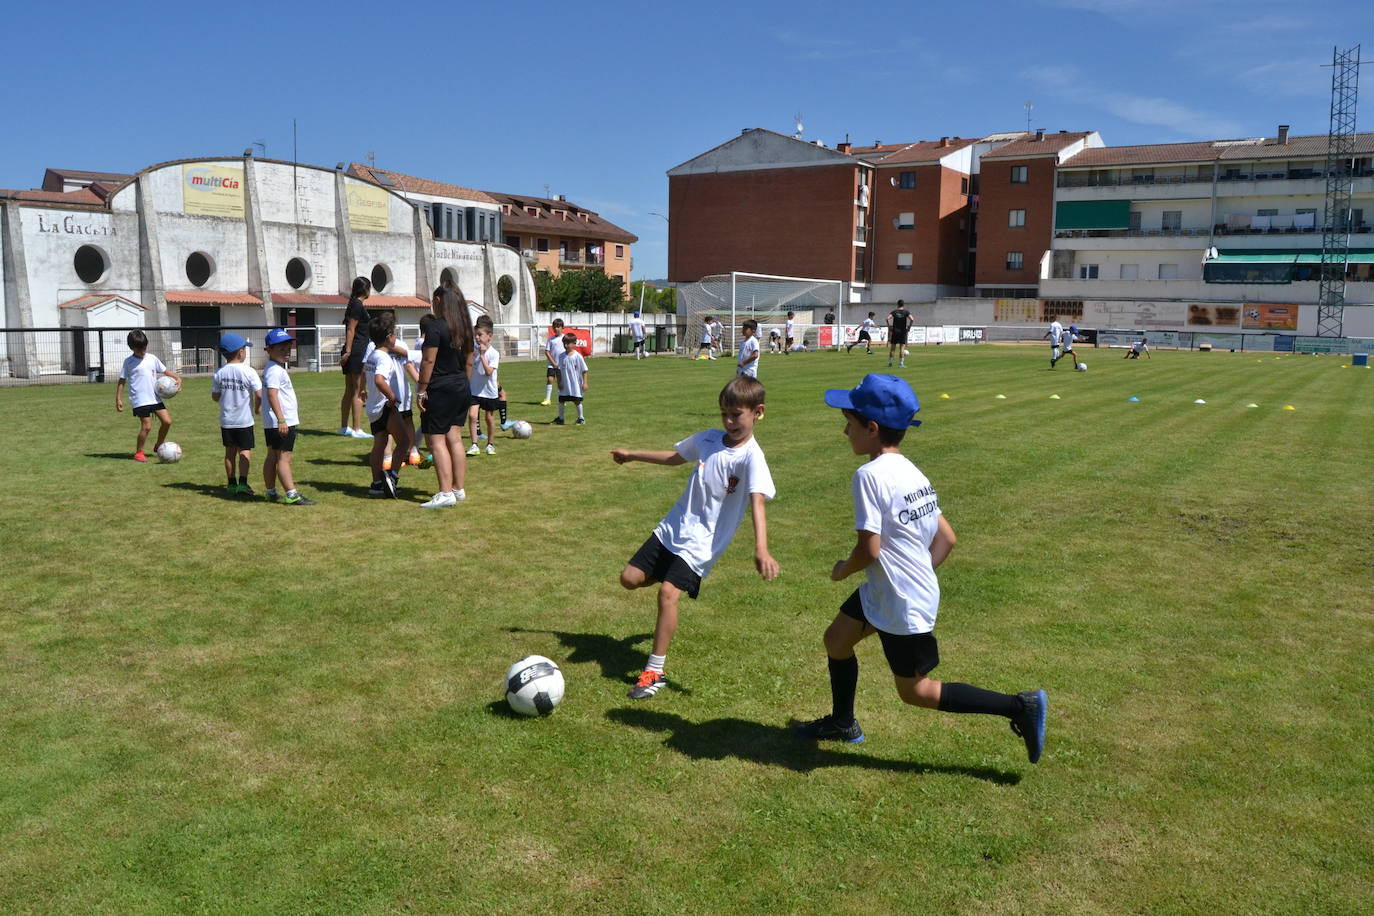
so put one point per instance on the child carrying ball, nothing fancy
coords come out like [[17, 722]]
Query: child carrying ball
[[141, 372]]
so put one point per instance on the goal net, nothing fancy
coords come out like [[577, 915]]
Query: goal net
[[733, 297]]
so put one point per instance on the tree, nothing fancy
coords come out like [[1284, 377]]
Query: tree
[[579, 291]]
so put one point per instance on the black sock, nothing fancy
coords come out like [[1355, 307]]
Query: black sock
[[967, 698], [243, 480], [844, 682], [501, 406]]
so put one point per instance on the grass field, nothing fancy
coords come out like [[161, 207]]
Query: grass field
[[225, 706]]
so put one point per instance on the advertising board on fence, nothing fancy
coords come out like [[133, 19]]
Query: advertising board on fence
[[851, 333], [1270, 317], [971, 335], [1225, 316]]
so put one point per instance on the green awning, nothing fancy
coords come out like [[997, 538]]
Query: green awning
[[1286, 256], [1092, 214]]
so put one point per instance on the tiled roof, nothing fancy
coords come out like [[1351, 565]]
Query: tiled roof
[[91, 300], [923, 151], [545, 223], [418, 185], [1306, 147], [206, 296], [392, 302], [1028, 147], [307, 299], [53, 179], [82, 197]]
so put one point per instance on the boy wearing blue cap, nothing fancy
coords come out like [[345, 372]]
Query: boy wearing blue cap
[[902, 538], [238, 392], [280, 418], [1066, 348]]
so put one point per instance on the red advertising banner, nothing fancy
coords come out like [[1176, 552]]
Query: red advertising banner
[[584, 339], [827, 335]]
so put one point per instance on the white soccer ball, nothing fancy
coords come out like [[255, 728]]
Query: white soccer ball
[[166, 387], [1082, 367], [169, 452], [534, 686], [521, 429]]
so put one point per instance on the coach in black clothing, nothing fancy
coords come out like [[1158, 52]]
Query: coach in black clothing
[[898, 323]]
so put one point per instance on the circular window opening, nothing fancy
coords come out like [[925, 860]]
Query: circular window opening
[[90, 263], [199, 268], [505, 289], [380, 278], [297, 273], [448, 277]]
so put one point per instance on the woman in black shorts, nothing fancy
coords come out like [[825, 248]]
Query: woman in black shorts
[[356, 318], [443, 392]]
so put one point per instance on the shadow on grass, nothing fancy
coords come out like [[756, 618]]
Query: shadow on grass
[[361, 460], [617, 657], [501, 710], [358, 490], [327, 433], [216, 490], [117, 456], [717, 739]]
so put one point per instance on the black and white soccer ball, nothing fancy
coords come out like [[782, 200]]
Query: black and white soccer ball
[[534, 686], [1082, 367], [521, 429]]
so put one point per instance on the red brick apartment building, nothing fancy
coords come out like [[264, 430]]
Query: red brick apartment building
[[558, 235], [1014, 210]]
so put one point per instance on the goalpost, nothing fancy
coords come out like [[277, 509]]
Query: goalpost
[[766, 298]]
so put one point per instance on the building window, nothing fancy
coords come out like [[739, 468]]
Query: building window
[[199, 268], [532, 211], [381, 278], [1015, 260], [906, 220], [904, 260], [90, 263], [1018, 174], [1016, 218], [1168, 271], [963, 185], [297, 273], [1266, 212], [620, 251], [1172, 219], [513, 241], [1087, 271], [505, 289], [1130, 271], [1134, 221], [541, 244], [906, 180]]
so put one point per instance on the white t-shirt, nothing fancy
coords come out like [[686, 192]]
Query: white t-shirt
[[637, 328], [571, 365], [788, 329], [749, 346], [277, 377], [555, 347], [381, 362], [481, 384], [235, 384], [869, 325], [141, 373], [717, 332], [706, 334], [1056, 332], [704, 519], [893, 499]]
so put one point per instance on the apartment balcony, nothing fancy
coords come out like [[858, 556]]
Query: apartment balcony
[[580, 259], [1243, 184], [1299, 292], [1142, 239]]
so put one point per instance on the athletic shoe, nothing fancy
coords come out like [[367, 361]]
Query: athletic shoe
[[345, 431], [506, 424], [231, 490], [298, 500], [140, 456], [1029, 724], [474, 450], [491, 449], [649, 683], [440, 501], [272, 496], [246, 491], [902, 364], [544, 403], [481, 435], [361, 434], [392, 481], [414, 459], [825, 729], [581, 421], [427, 461], [460, 495], [558, 421], [378, 490]]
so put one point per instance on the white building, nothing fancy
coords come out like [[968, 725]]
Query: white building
[[1213, 235], [230, 241]]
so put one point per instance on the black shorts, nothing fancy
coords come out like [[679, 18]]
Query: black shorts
[[240, 437], [663, 566], [491, 404], [379, 425], [863, 335], [281, 441], [354, 365], [565, 398], [908, 654], [551, 372], [446, 406], [147, 410], [897, 337]]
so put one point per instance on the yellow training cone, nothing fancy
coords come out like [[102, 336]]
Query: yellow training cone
[[1289, 407], [944, 395], [1054, 397], [1199, 401], [1251, 405], [1001, 397]]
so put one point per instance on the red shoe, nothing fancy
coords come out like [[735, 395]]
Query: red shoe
[[139, 456], [649, 683]]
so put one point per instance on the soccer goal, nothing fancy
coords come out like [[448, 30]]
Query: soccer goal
[[733, 297]]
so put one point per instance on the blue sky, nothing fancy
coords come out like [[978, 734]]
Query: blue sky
[[598, 100]]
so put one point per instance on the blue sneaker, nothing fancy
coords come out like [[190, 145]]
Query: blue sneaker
[[1030, 724], [507, 424], [825, 729]]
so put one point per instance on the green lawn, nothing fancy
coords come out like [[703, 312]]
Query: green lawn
[[224, 706]]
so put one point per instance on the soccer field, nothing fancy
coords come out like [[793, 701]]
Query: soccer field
[[229, 706]]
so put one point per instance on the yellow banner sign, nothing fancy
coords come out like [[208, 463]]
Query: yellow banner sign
[[212, 190], [1022, 310], [369, 208]]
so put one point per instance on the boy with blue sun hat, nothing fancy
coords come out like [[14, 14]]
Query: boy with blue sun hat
[[902, 538]]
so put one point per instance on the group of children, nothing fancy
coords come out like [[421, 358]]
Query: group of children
[[568, 370]]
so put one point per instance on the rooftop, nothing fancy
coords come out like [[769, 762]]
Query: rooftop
[[1235, 150]]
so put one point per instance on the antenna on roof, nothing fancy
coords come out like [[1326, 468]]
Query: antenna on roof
[[546, 192], [1028, 105], [262, 145], [372, 158], [800, 127]]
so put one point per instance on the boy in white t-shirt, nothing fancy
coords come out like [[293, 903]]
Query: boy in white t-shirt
[[717, 337], [140, 372], [388, 404], [237, 390], [637, 332], [572, 379], [553, 348], [1055, 335], [731, 474], [1137, 348], [788, 332], [705, 346], [280, 418], [902, 538], [749, 349], [1066, 345], [486, 390], [865, 334]]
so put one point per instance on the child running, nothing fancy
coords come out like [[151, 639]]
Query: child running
[[902, 539], [237, 390], [140, 372], [572, 379], [731, 472], [280, 418], [865, 334]]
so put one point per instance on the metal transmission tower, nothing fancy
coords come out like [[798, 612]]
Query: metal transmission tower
[[1345, 89]]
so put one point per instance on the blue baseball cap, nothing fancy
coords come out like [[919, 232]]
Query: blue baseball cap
[[232, 343], [885, 399], [276, 336]]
